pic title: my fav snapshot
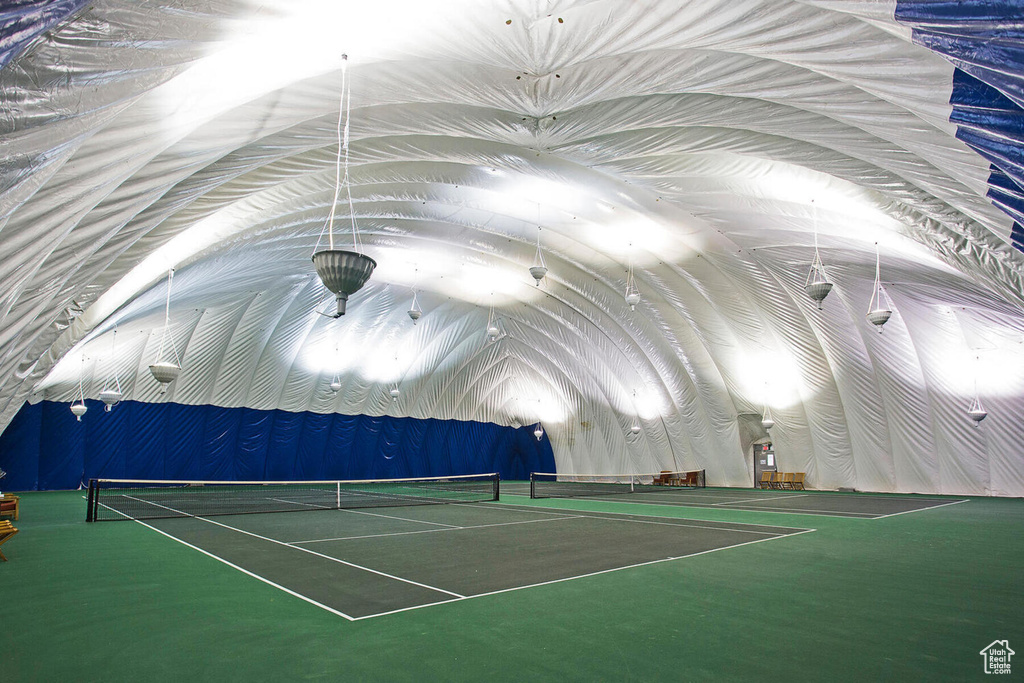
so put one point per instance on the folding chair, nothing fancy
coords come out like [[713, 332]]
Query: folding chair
[[787, 480], [777, 480], [9, 506], [7, 532], [798, 481], [766, 480]]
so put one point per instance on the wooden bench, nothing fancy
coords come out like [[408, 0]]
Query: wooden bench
[[9, 506], [7, 532]]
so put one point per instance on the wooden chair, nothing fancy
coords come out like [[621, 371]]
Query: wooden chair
[[9, 506], [776, 480], [766, 480], [662, 479], [787, 480], [798, 481], [7, 532]]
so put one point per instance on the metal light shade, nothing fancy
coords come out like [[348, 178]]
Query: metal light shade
[[343, 272], [635, 428], [335, 385], [395, 393], [879, 316], [538, 273], [110, 398], [492, 332], [818, 290], [164, 372], [977, 411], [633, 298], [79, 410], [767, 422], [415, 314], [538, 432]]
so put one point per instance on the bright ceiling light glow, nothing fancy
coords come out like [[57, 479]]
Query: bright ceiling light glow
[[272, 48], [385, 359], [999, 371], [459, 274], [768, 377]]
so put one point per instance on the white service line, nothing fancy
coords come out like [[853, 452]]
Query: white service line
[[433, 531], [761, 499], [583, 576], [930, 507], [637, 514], [745, 507], [235, 566], [307, 550]]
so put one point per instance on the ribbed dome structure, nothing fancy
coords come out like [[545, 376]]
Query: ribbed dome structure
[[694, 149]]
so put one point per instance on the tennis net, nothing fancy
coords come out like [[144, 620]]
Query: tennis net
[[112, 499], [551, 485]]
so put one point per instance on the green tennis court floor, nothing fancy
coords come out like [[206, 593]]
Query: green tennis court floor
[[365, 563], [830, 504], [906, 597]]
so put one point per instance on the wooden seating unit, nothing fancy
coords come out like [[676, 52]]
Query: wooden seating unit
[[9, 506], [784, 481], [7, 532]]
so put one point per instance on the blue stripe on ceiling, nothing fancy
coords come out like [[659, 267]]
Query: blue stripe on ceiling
[[984, 40], [22, 20]]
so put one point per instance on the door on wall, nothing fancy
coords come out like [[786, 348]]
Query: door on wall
[[764, 461]]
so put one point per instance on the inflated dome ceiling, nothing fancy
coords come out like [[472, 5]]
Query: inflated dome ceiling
[[703, 144]]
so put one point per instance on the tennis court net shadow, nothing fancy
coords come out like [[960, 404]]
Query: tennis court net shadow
[[365, 563]]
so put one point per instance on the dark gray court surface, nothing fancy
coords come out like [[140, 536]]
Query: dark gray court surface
[[831, 504], [361, 563]]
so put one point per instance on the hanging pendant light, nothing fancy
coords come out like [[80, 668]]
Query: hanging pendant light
[[395, 393], [632, 293], [635, 429], [766, 420], [163, 370], [880, 307], [976, 411], [414, 312], [111, 395], [538, 270], [538, 432], [492, 325], [817, 284], [343, 272], [79, 408], [335, 384]]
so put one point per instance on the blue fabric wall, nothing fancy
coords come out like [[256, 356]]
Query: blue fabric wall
[[45, 448]]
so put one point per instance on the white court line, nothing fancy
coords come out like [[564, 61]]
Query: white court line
[[930, 507], [432, 531], [305, 550], [751, 508], [404, 519], [457, 597], [583, 576], [289, 591], [596, 513], [754, 499]]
